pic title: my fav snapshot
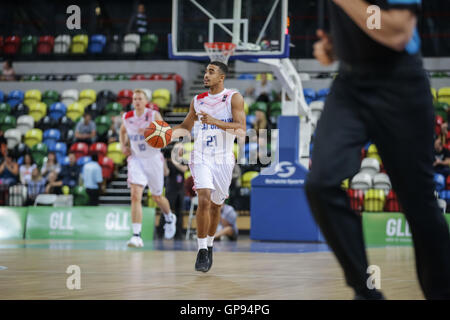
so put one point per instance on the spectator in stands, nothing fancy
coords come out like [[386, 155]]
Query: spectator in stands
[[26, 168], [138, 22], [441, 158], [54, 185], [9, 171], [85, 131], [3, 146], [35, 186], [112, 135], [50, 165], [263, 89], [70, 173], [174, 182], [8, 73], [227, 228], [92, 179], [444, 132]]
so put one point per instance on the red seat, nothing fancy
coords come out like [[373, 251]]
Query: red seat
[[125, 97], [356, 198], [152, 106], [107, 167], [392, 204], [156, 76], [80, 149], [98, 148], [178, 80], [447, 183], [11, 45], [45, 45], [1, 44], [139, 77]]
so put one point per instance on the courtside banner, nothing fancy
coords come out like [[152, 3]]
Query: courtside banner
[[387, 228], [12, 222], [86, 223]]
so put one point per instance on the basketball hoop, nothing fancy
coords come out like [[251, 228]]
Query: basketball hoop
[[219, 51]]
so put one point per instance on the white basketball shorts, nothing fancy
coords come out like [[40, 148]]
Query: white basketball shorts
[[147, 171], [216, 177]]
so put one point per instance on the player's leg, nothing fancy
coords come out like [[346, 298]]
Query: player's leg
[[136, 215], [404, 137], [339, 138], [169, 218]]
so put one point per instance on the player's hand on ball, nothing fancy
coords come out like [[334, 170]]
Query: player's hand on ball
[[323, 49], [206, 118]]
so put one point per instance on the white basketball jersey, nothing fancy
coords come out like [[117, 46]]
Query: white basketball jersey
[[133, 123], [211, 142]]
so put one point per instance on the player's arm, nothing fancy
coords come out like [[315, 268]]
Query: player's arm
[[397, 25], [158, 116], [123, 139], [237, 109], [185, 127]]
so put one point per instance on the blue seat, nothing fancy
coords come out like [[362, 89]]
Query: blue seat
[[439, 181], [97, 43], [246, 76], [2, 96], [445, 194], [20, 161], [83, 160], [322, 93], [52, 134], [310, 95], [250, 119], [49, 143], [57, 110], [15, 98], [60, 149], [64, 161]]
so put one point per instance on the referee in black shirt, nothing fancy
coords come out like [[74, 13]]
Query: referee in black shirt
[[381, 94]]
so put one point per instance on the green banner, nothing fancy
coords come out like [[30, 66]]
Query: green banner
[[12, 222], [389, 228], [86, 223]]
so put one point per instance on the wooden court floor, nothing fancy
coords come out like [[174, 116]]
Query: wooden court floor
[[40, 273]]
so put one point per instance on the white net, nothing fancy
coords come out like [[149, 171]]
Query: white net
[[219, 51]]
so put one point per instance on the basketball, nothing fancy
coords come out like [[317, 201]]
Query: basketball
[[159, 134]]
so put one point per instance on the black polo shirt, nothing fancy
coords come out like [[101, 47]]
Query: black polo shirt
[[353, 46]]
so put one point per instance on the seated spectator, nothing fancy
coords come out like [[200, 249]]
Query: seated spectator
[[50, 165], [8, 73], [444, 132], [227, 227], [54, 185], [112, 135], [262, 91], [35, 186], [26, 168], [85, 130], [70, 173], [441, 158], [92, 179], [9, 171]]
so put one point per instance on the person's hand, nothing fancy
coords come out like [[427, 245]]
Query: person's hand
[[206, 118], [323, 49], [141, 131], [126, 150]]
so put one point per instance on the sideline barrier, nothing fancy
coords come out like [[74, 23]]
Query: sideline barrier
[[12, 222], [86, 223], [388, 229]]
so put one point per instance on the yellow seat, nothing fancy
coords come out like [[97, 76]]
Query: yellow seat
[[247, 178], [161, 97], [375, 156], [444, 95], [269, 76], [38, 110], [152, 203], [188, 147], [79, 44], [345, 184], [32, 97], [65, 190], [33, 137], [246, 108], [187, 174], [115, 153], [75, 111], [87, 97], [434, 94], [374, 200]]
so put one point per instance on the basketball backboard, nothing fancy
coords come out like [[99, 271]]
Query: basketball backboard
[[257, 28]]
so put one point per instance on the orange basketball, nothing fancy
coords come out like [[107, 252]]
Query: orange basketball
[[159, 134]]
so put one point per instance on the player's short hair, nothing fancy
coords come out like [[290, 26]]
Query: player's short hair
[[222, 66], [140, 91]]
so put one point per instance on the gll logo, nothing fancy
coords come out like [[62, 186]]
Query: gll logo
[[285, 169]]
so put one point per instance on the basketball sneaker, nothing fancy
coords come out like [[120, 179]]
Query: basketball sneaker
[[135, 242], [170, 227], [202, 263], [210, 257]]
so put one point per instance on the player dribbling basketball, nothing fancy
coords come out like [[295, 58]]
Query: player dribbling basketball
[[212, 160], [145, 166]]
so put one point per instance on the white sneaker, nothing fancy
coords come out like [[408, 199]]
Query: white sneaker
[[135, 242], [170, 227]]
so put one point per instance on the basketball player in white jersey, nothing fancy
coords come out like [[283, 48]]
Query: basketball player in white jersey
[[217, 117], [145, 166]]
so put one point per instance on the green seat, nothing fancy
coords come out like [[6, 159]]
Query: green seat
[[261, 106], [101, 77], [275, 107], [102, 123], [440, 108], [121, 77], [28, 45], [5, 108], [148, 43], [113, 109], [8, 122], [50, 97], [80, 196], [39, 152]]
